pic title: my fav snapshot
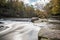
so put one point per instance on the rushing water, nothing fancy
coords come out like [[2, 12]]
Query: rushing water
[[19, 31], [23, 30]]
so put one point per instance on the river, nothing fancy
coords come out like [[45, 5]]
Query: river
[[23, 30]]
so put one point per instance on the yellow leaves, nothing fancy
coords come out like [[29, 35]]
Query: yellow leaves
[[55, 9], [55, 6]]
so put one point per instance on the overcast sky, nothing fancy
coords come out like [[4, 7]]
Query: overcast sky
[[32, 2], [39, 4]]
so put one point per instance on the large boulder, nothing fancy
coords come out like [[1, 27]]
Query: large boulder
[[34, 19], [49, 34]]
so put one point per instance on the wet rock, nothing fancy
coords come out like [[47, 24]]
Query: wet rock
[[49, 34], [54, 25]]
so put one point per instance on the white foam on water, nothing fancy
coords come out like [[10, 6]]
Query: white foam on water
[[21, 31]]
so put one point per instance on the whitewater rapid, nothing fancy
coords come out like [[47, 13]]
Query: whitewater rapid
[[19, 31]]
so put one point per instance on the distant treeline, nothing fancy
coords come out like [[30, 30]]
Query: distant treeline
[[18, 9]]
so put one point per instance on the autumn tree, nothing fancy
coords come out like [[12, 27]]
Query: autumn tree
[[56, 6], [53, 7]]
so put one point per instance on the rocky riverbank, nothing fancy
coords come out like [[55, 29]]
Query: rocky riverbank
[[49, 31]]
